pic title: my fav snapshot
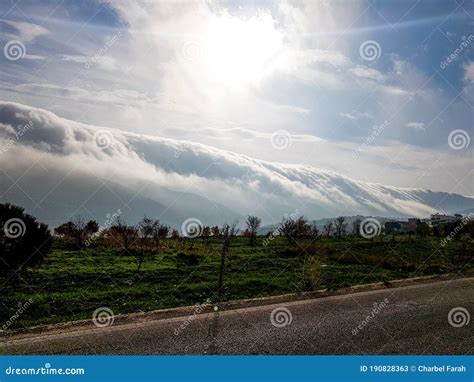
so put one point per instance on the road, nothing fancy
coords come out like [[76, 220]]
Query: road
[[405, 320]]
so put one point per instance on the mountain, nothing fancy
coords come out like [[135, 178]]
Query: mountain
[[469, 211], [349, 220], [58, 168], [92, 199]]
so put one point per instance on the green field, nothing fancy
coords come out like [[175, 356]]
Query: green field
[[71, 283]]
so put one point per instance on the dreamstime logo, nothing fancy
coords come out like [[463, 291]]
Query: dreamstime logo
[[459, 139], [108, 223], [22, 307], [277, 232], [191, 51], [371, 138], [458, 317], [14, 228], [457, 229], [377, 308], [200, 308], [370, 50], [110, 41], [466, 41], [103, 317], [14, 50], [369, 228], [281, 139], [104, 139], [281, 317], [20, 131], [44, 370], [192, 228]]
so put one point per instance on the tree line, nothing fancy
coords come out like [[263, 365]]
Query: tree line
[[25, 242]]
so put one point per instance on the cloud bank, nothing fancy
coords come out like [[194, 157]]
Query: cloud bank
[[179, 178]]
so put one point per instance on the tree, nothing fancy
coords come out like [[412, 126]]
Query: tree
[[356, 227], [64, 229], [314, 230], [436, 231], [422, 229], [228, 232], [253, 224], [92, 227], [215, 231], [163, 231], [293, 229], [327, 228], [78, 230], [175, 234], [206, 231], [124, 234], [148, 230], [340, 226], [24, 242]]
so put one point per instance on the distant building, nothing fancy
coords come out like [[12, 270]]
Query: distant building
[[439, 219]]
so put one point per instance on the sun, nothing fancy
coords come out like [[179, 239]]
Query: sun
[[240, 52]]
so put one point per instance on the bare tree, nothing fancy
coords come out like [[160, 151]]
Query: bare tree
[[228, 232], [253, 224], [147, 229], [163, 231], [356, 227], [206, 231], [328, 228], [215, 231], [126, 235], [314, 231], [340, 226]]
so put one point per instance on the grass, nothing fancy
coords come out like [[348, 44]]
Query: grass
[[71, 284]]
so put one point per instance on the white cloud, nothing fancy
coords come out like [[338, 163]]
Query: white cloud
[[469, 72], [26, 32], [238, 182], [165, 76], [395, 90], [416, 125], [369, 73], [355, 115]]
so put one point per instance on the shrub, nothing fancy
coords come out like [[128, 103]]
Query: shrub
[[24, 242], [191, 259]]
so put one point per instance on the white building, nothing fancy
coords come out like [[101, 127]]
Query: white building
[[437, 219]]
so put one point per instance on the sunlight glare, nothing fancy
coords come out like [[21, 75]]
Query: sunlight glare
[[240, 52]]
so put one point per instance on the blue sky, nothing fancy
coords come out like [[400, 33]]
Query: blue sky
[[232, 74]]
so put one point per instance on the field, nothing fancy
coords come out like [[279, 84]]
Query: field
[[72, 283]]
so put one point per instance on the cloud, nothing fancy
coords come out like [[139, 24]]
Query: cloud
[[369, 73], [240, 183], [26, 32], [166, 75], [416, 125], [469, 72], [356, 115], [395, 90]]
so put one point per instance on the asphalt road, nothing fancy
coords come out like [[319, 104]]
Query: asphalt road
[[406, 320]]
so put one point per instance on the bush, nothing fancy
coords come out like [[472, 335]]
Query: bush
[[191, 259], [24, 242]]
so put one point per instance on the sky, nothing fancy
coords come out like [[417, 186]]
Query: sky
[[379, 91]]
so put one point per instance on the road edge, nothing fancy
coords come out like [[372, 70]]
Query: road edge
[[161, 314]]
